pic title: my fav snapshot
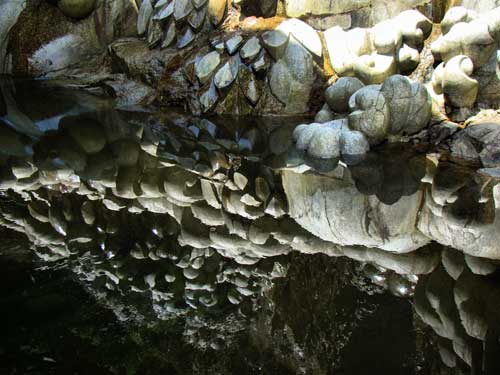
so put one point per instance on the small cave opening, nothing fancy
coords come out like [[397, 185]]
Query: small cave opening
[[259, 8]]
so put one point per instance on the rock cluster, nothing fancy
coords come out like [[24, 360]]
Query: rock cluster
[[165, 22], [467, 49], [372, 55], [374, 112], [277, 66]]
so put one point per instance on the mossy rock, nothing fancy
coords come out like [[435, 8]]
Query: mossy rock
[[77, 9]]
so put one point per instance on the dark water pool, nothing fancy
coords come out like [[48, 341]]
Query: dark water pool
[[150, 242]]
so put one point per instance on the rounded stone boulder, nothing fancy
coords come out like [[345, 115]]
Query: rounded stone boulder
[[460, 88], [205, 66], [370, 114], [320, 140], [337, 95], [410, 105], [353, 143], [77, 9]]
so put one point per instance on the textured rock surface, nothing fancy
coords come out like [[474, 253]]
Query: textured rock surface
[[335, 217], [373, 54], [291, 78]]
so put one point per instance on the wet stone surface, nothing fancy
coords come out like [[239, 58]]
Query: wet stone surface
[[136, 241]]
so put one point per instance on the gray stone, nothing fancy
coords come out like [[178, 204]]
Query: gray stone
[[9, 14], [165, 12], [291, 78], [249, 85], [161, 3], [169, 35], [276, 207], [209, 98], [370, 114], [199, 3], [337, 95], [260, 65], [353, 143], [197, 18], [324, 115], [155, 33], [233, 44], [334, 210], [262, 189], [240, 180], [250, 49], [304, 34], [145, 13], [186, 39], [182, 9], [206, 66], [320, 140], [275, 42], [325, 144], [410, 105], [228, 73], [478, 143]]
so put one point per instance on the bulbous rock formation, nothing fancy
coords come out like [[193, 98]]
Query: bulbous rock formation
[[395, 108], [455, 82], [374, 54], [467, 47]]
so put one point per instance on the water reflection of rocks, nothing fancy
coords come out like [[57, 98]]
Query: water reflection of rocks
[[199, 220]]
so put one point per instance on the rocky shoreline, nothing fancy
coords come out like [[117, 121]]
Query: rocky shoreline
[[223, 57]]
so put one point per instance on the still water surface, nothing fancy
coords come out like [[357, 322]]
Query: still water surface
[[152, 242]]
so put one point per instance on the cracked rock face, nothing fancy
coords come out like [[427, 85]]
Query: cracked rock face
[[291, 78], [370, 114], [409, 105]]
